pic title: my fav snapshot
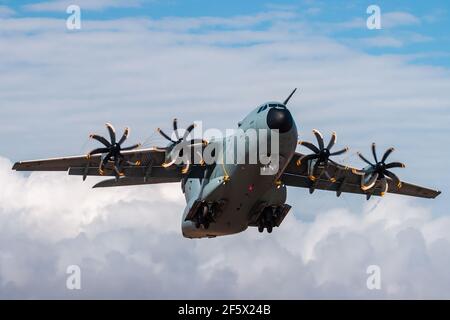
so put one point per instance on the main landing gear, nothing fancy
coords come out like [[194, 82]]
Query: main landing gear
[[268, 219], [204, 216]]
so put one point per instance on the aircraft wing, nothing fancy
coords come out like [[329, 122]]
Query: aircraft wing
[[346, 180], [148, 168]]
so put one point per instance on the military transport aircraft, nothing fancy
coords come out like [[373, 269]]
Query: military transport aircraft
[[224, 198]]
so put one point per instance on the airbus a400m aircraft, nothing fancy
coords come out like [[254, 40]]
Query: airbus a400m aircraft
[[226, 198]]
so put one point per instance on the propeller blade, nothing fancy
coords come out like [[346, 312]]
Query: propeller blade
[[186, 167], [365, 160], [310, 146], [98, 151], [338, 153], [332, 141], [314, 170], [100, 139], [370, 183], [197, 142], [384, 186], [188, 131], [132, 147], [290, 96], [395, 165], [357, 171], [319, 138], [116, 168], [374, 152], [199, 156], [168, 164], [103, 163], [337, 164], [394, 178], [112, 132], [165, 135], [369, 169], [175, 128], [386, 154], [327, 175], [306, 158], [124, 136]]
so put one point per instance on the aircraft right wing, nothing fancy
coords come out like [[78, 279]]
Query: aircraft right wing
[[345, 179]]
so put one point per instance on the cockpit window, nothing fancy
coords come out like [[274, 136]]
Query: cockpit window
[[262, 108], [271, 105], [277, 105]]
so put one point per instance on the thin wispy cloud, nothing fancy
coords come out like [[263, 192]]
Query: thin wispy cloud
[[95, 5], [6, 11], [398, 18]]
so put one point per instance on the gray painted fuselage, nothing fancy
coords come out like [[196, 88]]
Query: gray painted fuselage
[[246, 186]]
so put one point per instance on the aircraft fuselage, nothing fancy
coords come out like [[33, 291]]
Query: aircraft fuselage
[[239, 192]]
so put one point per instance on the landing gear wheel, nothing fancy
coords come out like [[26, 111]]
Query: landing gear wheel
[[269, 229], [205, 211], [261, 228], [203, 217]]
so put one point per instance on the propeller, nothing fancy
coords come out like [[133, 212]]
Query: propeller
[[177, 145], [321, 153], [379, 171], [112, 150]]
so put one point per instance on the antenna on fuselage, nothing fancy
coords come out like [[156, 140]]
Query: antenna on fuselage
[[289, 98]]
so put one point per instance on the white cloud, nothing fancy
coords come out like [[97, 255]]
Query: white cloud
[[389, 20], [396, 41], [128, 244], [62, 5], [397, 19], [383, 42]]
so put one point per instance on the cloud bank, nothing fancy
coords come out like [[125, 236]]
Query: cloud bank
[[128, 244]]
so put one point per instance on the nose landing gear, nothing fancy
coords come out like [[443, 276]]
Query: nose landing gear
[[204, 215]]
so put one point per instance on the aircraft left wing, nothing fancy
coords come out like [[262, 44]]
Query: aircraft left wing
[[345, 179], [148, 168]]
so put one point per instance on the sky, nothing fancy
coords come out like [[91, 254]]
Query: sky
[[142, 63]]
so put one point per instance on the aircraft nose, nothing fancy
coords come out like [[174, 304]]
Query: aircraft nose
[[280, 119]]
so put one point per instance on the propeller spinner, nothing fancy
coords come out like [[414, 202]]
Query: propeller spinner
[[379, 171], [321, 153], [112, 150], [177, 145]]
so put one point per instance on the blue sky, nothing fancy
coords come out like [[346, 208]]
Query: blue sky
[[427, 37]]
